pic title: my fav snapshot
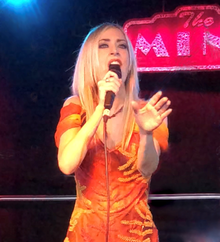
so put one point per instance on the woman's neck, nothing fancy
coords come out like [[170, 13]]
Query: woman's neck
[[119, 100]]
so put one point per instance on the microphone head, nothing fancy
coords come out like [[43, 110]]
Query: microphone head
[[110, 96], [116, 69]]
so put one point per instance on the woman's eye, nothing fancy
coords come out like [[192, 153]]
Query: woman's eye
[[101, 46], [123, 46]]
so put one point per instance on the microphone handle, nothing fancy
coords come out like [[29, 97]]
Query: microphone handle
[[109, 99], [110, 95]]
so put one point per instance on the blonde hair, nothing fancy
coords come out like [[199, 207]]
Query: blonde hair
[[85, 78]]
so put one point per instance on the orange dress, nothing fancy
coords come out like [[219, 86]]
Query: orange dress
[[130, 218]]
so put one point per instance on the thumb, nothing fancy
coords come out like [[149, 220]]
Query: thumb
[[135, 106]]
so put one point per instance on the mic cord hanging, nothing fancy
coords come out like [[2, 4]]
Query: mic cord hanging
[[107, 180], [109, 99]]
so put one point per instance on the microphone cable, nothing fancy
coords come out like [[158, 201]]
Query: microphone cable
[[107, 179], [109, 99]]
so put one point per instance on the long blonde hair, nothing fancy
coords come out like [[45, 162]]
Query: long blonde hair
[[85, 78]]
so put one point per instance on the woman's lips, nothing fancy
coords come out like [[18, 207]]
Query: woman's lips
[[115, 62]]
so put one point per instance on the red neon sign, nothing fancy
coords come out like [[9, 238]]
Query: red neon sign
[[186, 39]]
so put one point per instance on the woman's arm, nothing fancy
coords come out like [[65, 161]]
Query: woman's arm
[[148, 154], [74, 142], [148, 119]]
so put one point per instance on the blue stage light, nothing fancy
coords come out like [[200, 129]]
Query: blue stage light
[[21, 6], [24, 11], [18, 3]]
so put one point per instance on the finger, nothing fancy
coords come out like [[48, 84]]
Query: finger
[[118, 82], [101, 83], [110, 74], [112, 85], [110, 80], [166, 113], [108, 86], [114, 89], [154, 99], [164, 107], [161, 103]]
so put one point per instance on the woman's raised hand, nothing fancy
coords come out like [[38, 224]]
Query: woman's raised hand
[[153, 113]]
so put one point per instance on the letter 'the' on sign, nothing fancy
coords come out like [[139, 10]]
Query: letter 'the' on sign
[[185, 39]]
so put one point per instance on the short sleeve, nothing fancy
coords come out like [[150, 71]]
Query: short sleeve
[[70, 117], [161, 134]]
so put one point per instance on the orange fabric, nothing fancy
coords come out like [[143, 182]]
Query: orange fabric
[[161, 134], [69, 118], [130, 217]]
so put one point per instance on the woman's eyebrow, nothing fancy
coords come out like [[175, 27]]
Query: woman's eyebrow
[[118, 40], [104, 40], [121, 40]]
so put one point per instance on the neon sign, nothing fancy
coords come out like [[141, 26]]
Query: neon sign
[[186, 39]]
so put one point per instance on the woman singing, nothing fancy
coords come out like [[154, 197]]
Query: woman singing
[[117, 209]]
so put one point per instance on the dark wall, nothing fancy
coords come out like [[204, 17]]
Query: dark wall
[[38, 48], [191, 163]]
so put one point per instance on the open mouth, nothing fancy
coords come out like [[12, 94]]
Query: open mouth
[[115, 62]]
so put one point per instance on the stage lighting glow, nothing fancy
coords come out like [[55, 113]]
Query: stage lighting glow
[[18, 2], [22, 8]]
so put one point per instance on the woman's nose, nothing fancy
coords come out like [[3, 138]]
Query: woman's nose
[[114, 51]]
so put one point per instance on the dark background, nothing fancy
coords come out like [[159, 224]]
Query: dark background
[[38, 48]]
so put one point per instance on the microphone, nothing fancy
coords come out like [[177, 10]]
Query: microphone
[[110, 95]]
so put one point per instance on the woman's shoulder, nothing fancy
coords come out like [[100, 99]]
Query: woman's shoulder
[[71, 106], [72, 100]]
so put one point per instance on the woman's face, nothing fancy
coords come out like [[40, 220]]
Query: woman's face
[[112, 47]]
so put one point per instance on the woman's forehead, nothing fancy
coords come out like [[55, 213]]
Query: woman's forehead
[[112, 32]]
